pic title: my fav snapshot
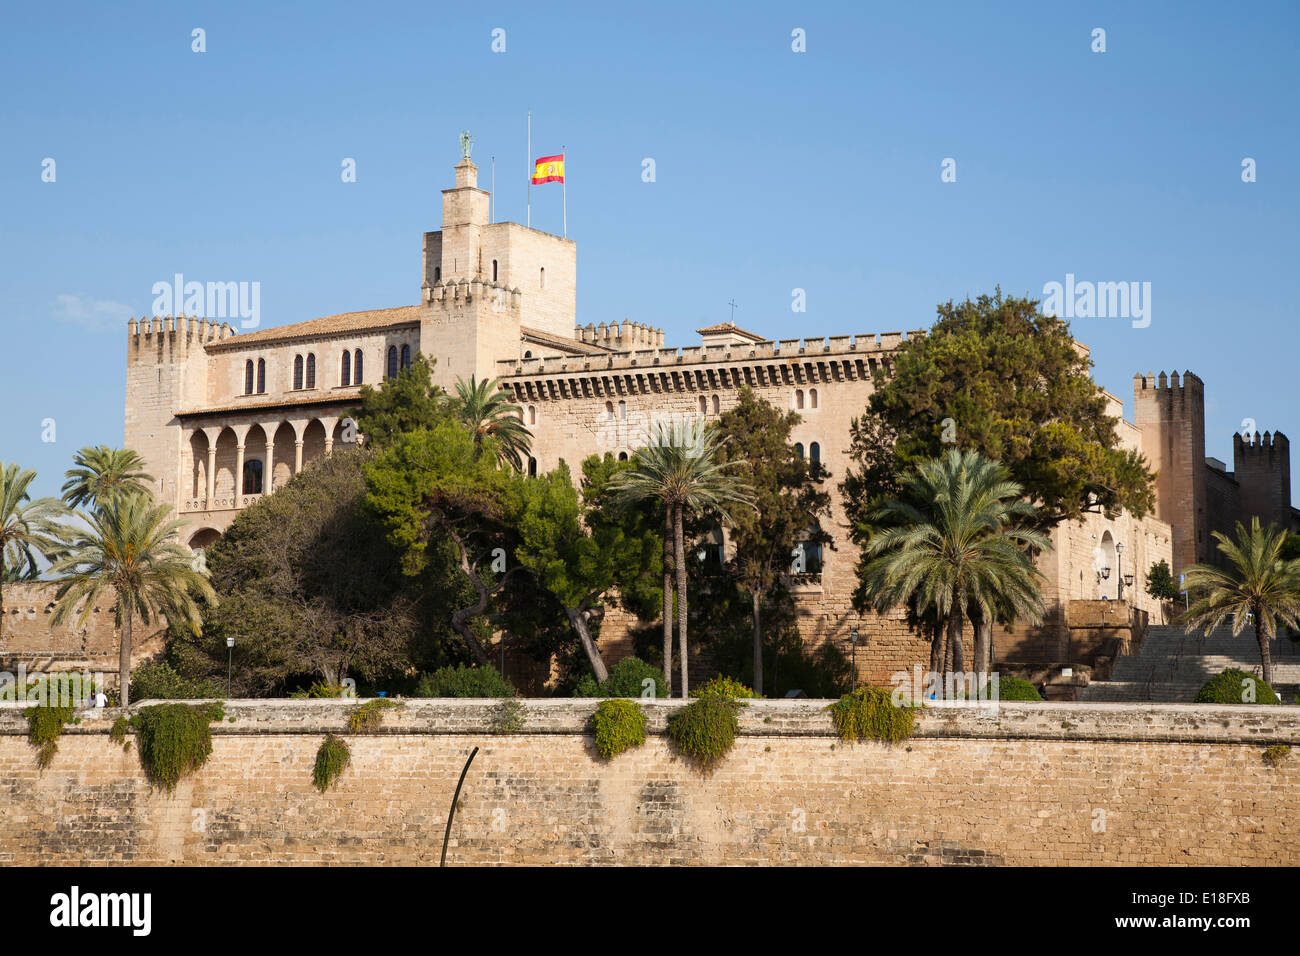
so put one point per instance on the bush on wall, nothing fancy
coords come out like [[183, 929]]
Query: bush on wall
[[1232, 686], [332, 759], [44, 727], [723, 686], [366, 718], [869, 712], [627, 678], [464, 681], [706, 728], [1014, 688], [174, 740], [619, 725]]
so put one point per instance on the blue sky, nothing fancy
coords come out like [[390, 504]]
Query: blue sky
[[775, 170]]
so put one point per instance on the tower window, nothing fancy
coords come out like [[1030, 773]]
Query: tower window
[[532, 414], [406, 356], [812, 398], [311, 369], [532, 467], [622, 411], [798, 450], [248, 377], [494, 270], [261, 376], [528, 354], [609, 411], [297, 372], [717, 405], [541, 278], [345, 373], [704, 405], [798, 398], [356, 367], [392, 361], [815, 453]]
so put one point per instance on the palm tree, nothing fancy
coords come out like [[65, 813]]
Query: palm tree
[[1263, 587], [130, 550], [681, 468], [486, 407], [27, 529], [101, 473], [951, 542]]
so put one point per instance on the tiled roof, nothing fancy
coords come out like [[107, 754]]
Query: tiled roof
[[329, 325], [729, 327], [568, 345], [352, 394]]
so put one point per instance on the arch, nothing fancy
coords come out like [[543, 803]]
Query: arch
[[1106, 563], [392, 361], [311, 369], [406, 356], [812, 398], [248, 377], [532, 414], [198, 484], [704, 405], [227, 458], [622, 456], [253, 469], [283, 456], [261, 376], [609, 411], [532, 467], [622, 411], [798, 449], [204, 538], [815, 453], [798, 398], [717, 405], [356, 367], [297, 372], [345, 369], [528, 354], [313, 441]]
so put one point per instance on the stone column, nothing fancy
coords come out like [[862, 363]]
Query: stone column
[[268, 466], [297, 456], [212, 474], [239, 473]]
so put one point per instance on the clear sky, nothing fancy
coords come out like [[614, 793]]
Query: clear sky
[[775, 170]]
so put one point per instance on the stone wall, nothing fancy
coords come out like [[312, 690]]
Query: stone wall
[[1033, 784]]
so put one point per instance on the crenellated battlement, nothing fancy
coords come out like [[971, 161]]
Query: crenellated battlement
[[455, 294], [1169, 389], [172, 334], [874, 343], [1260, 445], [627, 337]]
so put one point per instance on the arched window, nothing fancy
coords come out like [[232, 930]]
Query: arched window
[[345, 373], [311, 369], [261, 376], [532, 414], [609, 411], [798, 450], [815, 453], [541, 278], [622, 411], [437, 273], [248, 377], [622, 456], [717, 406], [392, 361], [297, 372], [494, 270], [798, 398], [406, 356], [252, 477], [356, 367], [704, 405], [528, 354], [532, 467], [812, 398]]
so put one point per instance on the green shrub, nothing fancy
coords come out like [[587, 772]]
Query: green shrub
[[174, 740], [1274, 756], [1229, 687], [158, 680], [869, 712], [118, 733], [464, 681], [724, 686], [318, 690], [626, 679], [366, 718], [1013, 688], [507, 717], [332, 759], [44, 727], [706, 728], [619, 725]]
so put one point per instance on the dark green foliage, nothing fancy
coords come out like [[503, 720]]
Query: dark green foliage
[[626, 679], [1274, 755], [366, 718], [118, 732], [1160, 582], [174, 740], [705, 729], [332, 759], [507, 717], [868, 713], [723, 686], [45, 726], [619, 725], [464, 680], [158, 680], [1014, 688], [1229, 687], [402, 405], [318, 690]]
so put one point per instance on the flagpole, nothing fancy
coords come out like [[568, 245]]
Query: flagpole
[[492, 208], [564, 191], [529, 221]]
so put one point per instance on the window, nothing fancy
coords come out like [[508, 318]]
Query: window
[[532, 467], [261, 376], [345, 373], [528, 354], [494, 270], [815, 453], [622, 411], [704, 405], [252, 477], [311, 369], [622, 456], [406, 356], [356, 367], [798, 450], [798, 398], [437, 273], [609, 411], [248, 377], [392, 361], [532, 414], [717, 406], [812, 398], [541, 278], [297, 372]]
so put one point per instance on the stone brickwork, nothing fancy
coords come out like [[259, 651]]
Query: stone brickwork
[[1037, 784]]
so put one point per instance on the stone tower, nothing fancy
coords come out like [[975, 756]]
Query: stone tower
[[1262, 467], [1170, 415]]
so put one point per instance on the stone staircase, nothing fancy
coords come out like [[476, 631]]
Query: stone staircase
[[1171, 666]]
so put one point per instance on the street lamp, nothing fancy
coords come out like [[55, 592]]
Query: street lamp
[[1119, 568], [230, 657]]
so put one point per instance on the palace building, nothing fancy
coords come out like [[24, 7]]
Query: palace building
[[224, 418]]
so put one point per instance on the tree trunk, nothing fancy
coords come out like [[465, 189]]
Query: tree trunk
[[460, 619], [124, 661], [668, 599], [955, 657], [982, 628], [936, 649], [1265, 656], [679, 549], [578, 618], [758, 641]]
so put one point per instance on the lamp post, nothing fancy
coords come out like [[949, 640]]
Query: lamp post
[[1119, 568], [230, 658], [853, 639]]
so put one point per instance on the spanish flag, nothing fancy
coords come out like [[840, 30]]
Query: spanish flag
[[549, 169]]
